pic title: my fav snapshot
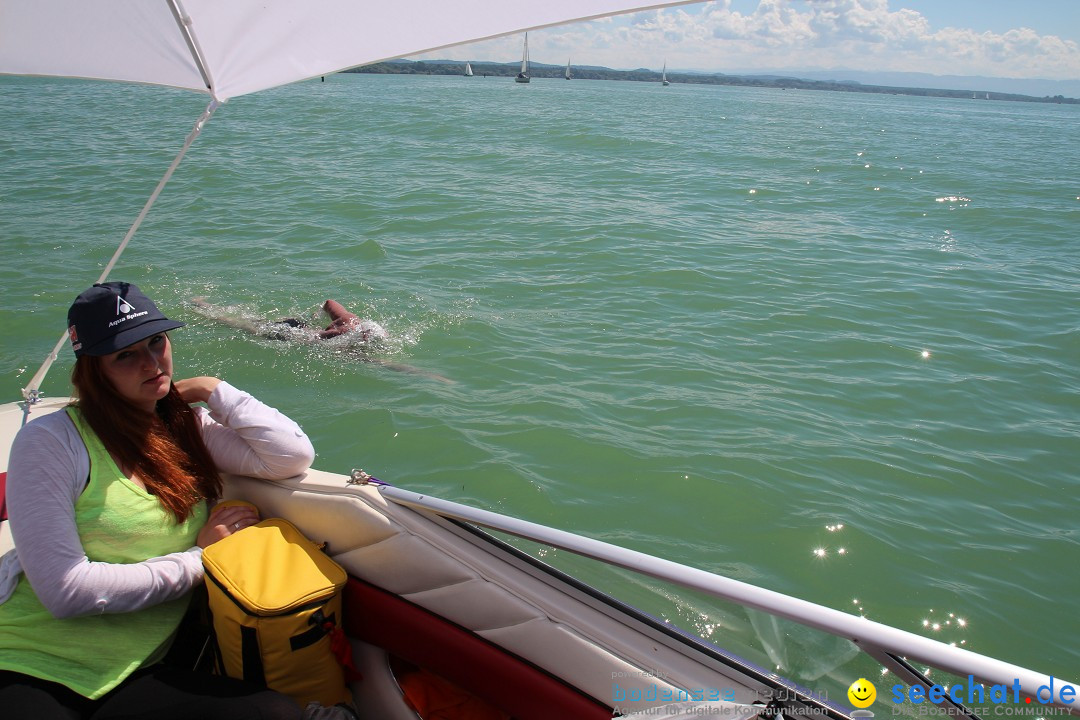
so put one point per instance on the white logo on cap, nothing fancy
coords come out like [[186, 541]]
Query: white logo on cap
[[125, 311], [123, 306]]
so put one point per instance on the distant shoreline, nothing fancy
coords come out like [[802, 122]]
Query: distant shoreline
[[408, 67]]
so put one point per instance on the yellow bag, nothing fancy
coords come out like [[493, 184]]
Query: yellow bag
[[275, 598]]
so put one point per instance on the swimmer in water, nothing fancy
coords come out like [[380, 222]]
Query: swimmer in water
[[342, 322]]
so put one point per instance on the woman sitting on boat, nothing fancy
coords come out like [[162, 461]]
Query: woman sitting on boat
[[109, 509]]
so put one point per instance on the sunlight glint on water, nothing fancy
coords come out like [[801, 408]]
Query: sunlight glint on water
[[824, 343]]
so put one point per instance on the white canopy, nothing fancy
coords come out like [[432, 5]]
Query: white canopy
[[251, 45]]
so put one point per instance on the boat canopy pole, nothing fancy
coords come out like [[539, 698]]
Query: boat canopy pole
[[183, 20], [32, 392], [874, 638]]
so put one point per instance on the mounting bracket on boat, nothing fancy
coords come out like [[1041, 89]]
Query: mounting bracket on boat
[[359, 477]]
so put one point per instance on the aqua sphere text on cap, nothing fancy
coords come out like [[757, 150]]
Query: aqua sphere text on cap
[[110, 316]]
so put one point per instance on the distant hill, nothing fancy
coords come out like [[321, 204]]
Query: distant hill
[[591, 72], [1014, 86]]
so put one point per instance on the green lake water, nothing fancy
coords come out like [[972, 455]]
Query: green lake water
[[824, 343]]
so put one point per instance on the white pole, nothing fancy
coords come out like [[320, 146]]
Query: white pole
[[32, 392]]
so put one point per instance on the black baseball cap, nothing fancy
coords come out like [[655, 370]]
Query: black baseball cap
[[110, 316]]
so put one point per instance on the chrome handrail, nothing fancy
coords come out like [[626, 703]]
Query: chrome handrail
[[891, 646]]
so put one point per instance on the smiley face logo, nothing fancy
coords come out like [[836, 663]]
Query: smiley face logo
[[862, 693]]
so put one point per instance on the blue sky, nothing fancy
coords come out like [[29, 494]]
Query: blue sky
[[993, 38], [1046, 17]]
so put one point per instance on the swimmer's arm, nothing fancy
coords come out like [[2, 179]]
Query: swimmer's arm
[[218, 314]]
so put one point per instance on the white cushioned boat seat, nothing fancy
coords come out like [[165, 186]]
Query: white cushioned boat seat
[[408, 554]]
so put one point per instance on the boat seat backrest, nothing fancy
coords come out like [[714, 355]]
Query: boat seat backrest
[[407, 554]]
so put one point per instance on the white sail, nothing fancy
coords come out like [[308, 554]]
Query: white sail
[[567, 69], [227, 49], [523, 76], [663, 74], [468, 70]]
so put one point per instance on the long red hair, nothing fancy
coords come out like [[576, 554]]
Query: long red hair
[[165, 448]]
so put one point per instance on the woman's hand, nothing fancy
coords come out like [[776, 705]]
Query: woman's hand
[[224, 521], [196, 389]]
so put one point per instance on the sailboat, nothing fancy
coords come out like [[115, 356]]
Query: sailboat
[[468, 70], [523, 76], [567, 69], [428, 584], [663, 75]]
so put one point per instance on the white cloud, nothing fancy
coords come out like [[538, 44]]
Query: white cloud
[[825, 34]]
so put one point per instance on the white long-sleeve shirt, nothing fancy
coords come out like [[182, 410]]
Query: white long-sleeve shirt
[[49, 468]]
